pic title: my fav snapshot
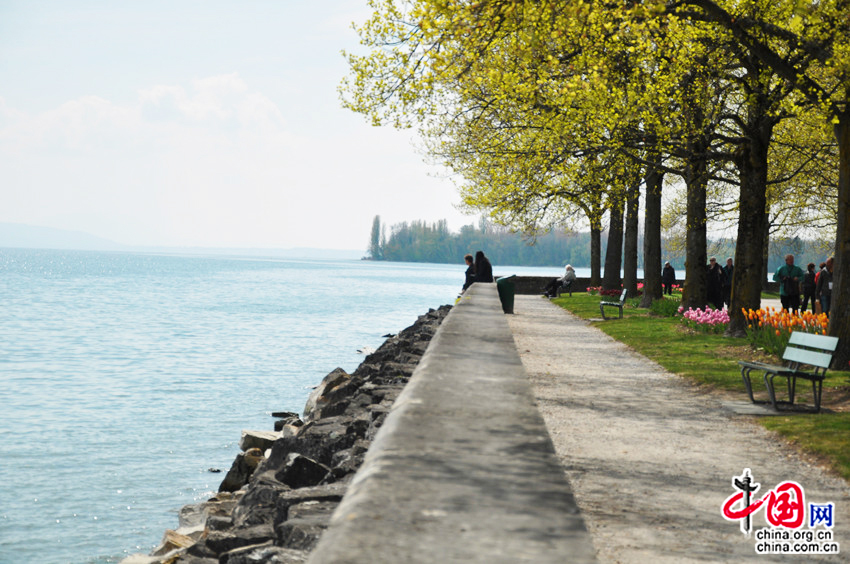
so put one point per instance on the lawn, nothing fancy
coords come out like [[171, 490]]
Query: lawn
[[712, 361]]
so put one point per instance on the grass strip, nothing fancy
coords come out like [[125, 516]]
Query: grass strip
[[712, 360]]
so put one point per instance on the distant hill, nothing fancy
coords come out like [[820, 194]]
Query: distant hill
[[34, 237], [19, 235]]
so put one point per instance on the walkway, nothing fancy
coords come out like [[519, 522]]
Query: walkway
[[650, 458]]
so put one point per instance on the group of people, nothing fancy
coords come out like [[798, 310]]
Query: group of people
[[811, 285], [478, 270], [719, 281]]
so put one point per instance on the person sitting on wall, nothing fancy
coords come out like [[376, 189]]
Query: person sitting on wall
[[483, 268], [470, 272]]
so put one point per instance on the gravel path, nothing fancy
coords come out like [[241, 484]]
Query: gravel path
[[650, 458]]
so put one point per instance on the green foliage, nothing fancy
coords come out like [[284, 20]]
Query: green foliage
[[827, 434], [420, 242], [666, 307]]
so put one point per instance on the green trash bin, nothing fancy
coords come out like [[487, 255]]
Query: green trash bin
[[506, 288]]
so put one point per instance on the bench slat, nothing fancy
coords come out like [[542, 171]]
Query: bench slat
[[810, 340], [819, 359]]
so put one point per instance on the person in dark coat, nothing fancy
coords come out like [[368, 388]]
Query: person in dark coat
[[483, 268], [668, 278], [809, 285], [824, 288], [715, 283], [728, 271], [470, 272]]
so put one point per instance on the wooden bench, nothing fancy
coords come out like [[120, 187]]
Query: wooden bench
[[803, 350], [563, 288], [618, 304]]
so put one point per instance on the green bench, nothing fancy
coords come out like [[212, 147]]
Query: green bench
[[804, 350], [618, 304]]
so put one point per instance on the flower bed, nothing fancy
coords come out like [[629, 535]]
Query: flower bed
[[706, 320], [770, 330], [594, 290]]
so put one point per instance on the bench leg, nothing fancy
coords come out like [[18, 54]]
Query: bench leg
[[768, 383], [745, 375], [621, 312], [602, 310], [817, 388]]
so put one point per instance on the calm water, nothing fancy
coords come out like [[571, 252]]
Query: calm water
[[126, 377]]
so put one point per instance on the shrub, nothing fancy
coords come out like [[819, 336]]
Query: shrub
[[665, 307], [705, 320]]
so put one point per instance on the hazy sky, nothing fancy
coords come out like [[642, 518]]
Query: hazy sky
[[198, 123]]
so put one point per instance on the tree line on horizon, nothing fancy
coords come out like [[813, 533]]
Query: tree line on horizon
[[585, 113], [419, 241]]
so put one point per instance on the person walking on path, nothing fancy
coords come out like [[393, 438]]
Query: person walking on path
[[483, 268], [824, 287], [650, 458], [668, 278], [789, 276], [809, 286]]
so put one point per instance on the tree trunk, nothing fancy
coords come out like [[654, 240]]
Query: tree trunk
[[595, 253], [765, 255], [839, 310], [652, 289], [614, 252], [630, 251], [752, 217], [695, 287]]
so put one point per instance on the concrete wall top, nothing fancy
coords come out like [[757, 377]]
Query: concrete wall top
[[463, 469]]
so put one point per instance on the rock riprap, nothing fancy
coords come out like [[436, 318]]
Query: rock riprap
[[278, 496]]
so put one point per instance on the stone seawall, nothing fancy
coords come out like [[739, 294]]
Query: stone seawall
[[280, 492]]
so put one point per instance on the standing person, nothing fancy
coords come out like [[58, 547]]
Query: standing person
[[728, 271], [483, 268], [715, 283], [809, 287], [824, 287], [789, 276], [470, 272], [668, 278]]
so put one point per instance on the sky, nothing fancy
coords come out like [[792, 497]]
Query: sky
[[199, 123]]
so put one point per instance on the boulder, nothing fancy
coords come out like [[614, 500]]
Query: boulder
[[309, 520], [288, 422], [284, 414], [259, 503], [220, 542], [241, 470], [324, 493], [257, 439], [317, 398], [265, 553], [172, 540], [300, 471], [318, 440]]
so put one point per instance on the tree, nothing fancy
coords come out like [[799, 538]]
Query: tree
[[375, 251], [806, 46]]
